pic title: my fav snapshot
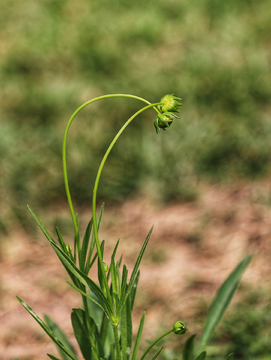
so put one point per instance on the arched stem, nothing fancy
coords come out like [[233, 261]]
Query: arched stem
[[64, 158], [95, 227]]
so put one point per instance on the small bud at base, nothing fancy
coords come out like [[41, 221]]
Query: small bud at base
[[179, 328]]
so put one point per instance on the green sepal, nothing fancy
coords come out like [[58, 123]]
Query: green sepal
[[47, 329], [188, 351], [222, 301], [61, 336]]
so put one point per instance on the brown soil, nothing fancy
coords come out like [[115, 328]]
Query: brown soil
[[192, 249]]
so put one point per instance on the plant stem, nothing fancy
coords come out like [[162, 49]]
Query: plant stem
[[155, 342], [64, 158], [117, 343], [95, 228]]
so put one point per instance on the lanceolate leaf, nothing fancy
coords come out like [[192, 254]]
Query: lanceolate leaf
[[138, 337], [221, 302], [134, 273], [83, 279], [80, 329], [61, 336], [230, 357], [92, 243], [201, 356], [155, 356], [85, 243], [126, 330], [52, 357], [47, 329], [188, 352], [134, 289], [46, 233]]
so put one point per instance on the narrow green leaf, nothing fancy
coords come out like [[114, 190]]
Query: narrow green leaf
[[188, 351], [222, 301], [87, 296], [91, 263], [85, 280], [138, 337], [80, 329], [85, 243], [118, 276], [60, 240], [113, 277], [134, 289], [92, 243], [123, 284], [100, 270], [201, 356], [126, 331], [48, 236], [106, 335], [52, 357], [230, 357], [46, 329], [61, 336], [134, 273], [155, 356], [46, 233]]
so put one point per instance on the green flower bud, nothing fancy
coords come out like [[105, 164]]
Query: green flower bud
[[169, 103], [69, 250], [105, 267], [164, 120], [179, 328]]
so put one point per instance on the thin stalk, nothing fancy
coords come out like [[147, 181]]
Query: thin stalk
[[117, 343], [155, 342], [95, 227], [64, 158]]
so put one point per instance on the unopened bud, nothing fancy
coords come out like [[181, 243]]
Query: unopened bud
[[179, 328], [169, 103], [105, 267]]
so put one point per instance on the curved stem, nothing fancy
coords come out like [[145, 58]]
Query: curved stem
[[64, 157], [155, 342], [95, 228]]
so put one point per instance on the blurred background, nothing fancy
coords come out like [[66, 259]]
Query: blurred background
[[215, 55]]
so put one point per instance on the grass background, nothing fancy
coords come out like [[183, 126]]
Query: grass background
[[56, 54]]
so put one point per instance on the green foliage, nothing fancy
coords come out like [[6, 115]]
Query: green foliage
[[246, 329], [103, 328], [57, 53]]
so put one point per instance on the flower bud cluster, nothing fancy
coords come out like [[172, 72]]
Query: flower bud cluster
[[167, 108]]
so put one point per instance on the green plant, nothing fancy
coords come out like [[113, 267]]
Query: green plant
[[103, 328]]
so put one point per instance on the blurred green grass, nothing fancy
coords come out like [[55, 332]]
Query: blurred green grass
[[56, 54]]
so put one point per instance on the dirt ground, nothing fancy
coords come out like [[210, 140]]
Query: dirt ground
[[193, 248]]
